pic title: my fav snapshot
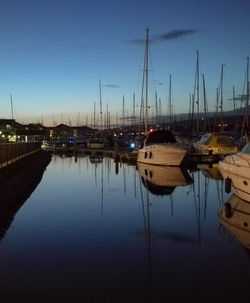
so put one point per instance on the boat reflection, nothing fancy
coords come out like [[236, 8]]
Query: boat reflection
[[211, 171], [17, 184], [162, 180], [96, 159], [235, 217]]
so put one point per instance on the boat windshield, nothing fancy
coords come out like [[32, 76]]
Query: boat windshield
[[205, 139], [160, 136], [246, 149]]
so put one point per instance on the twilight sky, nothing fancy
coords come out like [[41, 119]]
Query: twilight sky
[[53, 53]]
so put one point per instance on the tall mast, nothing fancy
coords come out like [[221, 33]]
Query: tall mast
[[123, 111], [170, 100], [133, 110], [94, 116], [11, 105], [197, 76], [221, 95], [100, 90], [146, 79], [234, 105], [156, 108], [247, 101], [206, 120], [107, 116], [216, 108], [160, 113]]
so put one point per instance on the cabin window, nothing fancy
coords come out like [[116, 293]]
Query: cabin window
[[225, 141]]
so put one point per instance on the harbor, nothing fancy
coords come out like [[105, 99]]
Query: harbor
[[124, 151]]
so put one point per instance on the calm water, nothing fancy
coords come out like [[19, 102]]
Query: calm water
[[96, 231]]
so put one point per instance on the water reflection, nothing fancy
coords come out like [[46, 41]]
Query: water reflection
[[103, 235], [17, 184], [162, 180], [235, 217]]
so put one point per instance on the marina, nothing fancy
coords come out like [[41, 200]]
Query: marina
[[124, 151]]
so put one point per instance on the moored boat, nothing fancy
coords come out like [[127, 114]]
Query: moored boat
[[236, 170], [216, 144], [47, 145], [95, 143], [161, 148]]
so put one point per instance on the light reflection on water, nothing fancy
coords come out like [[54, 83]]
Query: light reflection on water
[[104, 231]]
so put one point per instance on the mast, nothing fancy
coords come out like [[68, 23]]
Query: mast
[[94, 116], [247, 101], [156, 108], [100, 90], [245, 119], [146, 79], [123, 111], [234, 106], [107, 116], [146, 87], [216, 108], [133, 110], [170, 100], [160, 113], [197, 89], [206, 120], [11, 105], [221, 95]]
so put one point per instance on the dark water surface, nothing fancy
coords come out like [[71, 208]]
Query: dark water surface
[[96, 231]]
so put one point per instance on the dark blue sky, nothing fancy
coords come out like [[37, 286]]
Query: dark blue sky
[[53, 53]]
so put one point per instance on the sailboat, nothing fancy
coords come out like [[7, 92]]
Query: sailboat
[[159, 147]]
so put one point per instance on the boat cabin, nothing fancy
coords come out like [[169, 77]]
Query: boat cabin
[[216, 144], [160, 136]]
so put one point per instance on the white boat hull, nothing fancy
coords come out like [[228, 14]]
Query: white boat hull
[[237, 168], [162, 154]]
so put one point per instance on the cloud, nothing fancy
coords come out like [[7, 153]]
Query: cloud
[[158, 82], [111, 85], [172, 35], [176, 34]]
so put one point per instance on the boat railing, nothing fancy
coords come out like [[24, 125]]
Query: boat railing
[[242, 158]]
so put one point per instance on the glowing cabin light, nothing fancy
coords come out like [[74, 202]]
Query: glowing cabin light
[[132, 145]]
